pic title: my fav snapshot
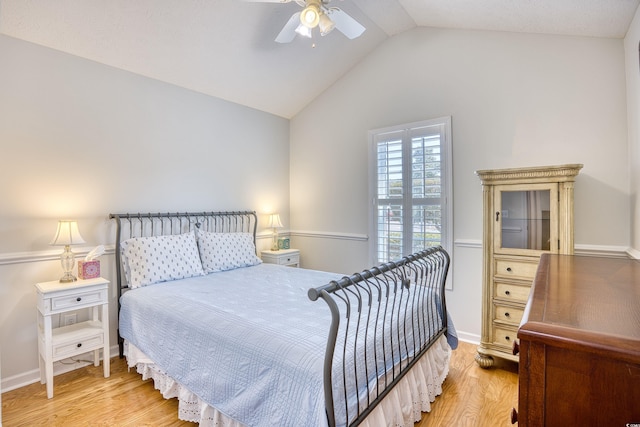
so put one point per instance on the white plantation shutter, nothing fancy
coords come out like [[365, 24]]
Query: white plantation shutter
[[411, 176]]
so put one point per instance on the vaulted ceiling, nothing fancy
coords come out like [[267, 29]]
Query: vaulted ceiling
[[226, 48]]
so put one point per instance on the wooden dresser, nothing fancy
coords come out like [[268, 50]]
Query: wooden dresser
[[579, 344]]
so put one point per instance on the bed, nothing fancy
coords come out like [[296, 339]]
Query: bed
[[243, 343]]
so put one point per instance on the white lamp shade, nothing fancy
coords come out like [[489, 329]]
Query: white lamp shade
[[274, 221], [67, 234]]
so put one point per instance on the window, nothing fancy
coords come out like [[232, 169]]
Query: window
[[411, 186]]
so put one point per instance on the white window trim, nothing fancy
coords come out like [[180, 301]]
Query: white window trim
[[446, 153]]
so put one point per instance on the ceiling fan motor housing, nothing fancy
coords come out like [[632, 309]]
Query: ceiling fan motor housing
[[310, 15]]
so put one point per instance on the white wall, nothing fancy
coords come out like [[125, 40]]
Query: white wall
[[515, 100], [632, 60], [82, 140]]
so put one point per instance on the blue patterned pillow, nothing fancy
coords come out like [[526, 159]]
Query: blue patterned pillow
[[226, 251], [149, 260]]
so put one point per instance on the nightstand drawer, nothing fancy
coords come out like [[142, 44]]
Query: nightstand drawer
[[289, 259], [63, 350], [78, 300], [282, 257]]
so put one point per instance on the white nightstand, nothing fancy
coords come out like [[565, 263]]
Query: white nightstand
[[67, 341], [289, 257]]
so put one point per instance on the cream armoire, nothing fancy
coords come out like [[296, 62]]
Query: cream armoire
[[526, 212]]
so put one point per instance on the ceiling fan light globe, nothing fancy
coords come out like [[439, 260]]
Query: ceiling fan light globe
[[310, 16], [326, 25], [303, 30]]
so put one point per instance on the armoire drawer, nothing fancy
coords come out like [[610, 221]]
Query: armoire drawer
[[511, 292], [524, 268], [504, 337], [507, 314]]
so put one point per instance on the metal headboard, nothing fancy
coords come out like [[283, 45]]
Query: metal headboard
[[131, 225]]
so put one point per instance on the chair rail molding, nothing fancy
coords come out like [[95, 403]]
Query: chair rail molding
[[330, 235]]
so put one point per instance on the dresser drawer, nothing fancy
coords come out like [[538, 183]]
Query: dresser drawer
[[507, 314], [504, 337], [78, 300], [524, 268], [511, 292]]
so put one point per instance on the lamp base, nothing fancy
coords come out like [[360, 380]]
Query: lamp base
[[68, 278], [67, 260]]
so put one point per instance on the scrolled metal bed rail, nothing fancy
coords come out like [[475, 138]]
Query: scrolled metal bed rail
[[383, 320]]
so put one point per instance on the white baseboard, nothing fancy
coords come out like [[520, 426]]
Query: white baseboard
[[468, 338], [633, 253], [61, 367]]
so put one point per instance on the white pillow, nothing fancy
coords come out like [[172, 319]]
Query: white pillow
[[150, 260], [226, 251]]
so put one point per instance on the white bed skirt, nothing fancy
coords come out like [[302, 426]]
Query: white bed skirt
[[400, 408]]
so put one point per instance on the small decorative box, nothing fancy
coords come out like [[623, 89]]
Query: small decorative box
[[88, 269], [283, 243]]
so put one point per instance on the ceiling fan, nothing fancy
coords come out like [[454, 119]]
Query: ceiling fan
[[316, 13]]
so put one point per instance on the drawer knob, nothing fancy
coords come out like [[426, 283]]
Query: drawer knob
[[507, 338], [79, 345], [507, 314], [507, 292], [508, 268], [79, 299]]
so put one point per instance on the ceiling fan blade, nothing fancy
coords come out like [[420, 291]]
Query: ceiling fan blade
[[345, 23], [288, 32]]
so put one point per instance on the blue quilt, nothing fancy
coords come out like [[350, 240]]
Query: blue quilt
[[226, 337]]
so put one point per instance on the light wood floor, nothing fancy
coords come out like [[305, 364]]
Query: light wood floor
[[471, 397]]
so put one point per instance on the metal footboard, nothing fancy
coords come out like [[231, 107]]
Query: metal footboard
[[383, 320]]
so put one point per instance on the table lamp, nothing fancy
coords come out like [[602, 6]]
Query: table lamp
[[67, 235], [275, 223]]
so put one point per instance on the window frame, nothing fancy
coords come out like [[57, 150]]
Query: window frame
[[446, 177]]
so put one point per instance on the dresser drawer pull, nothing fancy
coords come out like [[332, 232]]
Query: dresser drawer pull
[[507, 338], [507, 314], [79, 345], [508, 268], [78, 299], [507, 292]]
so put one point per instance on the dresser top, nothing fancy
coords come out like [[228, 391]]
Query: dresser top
[[587, 301]]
